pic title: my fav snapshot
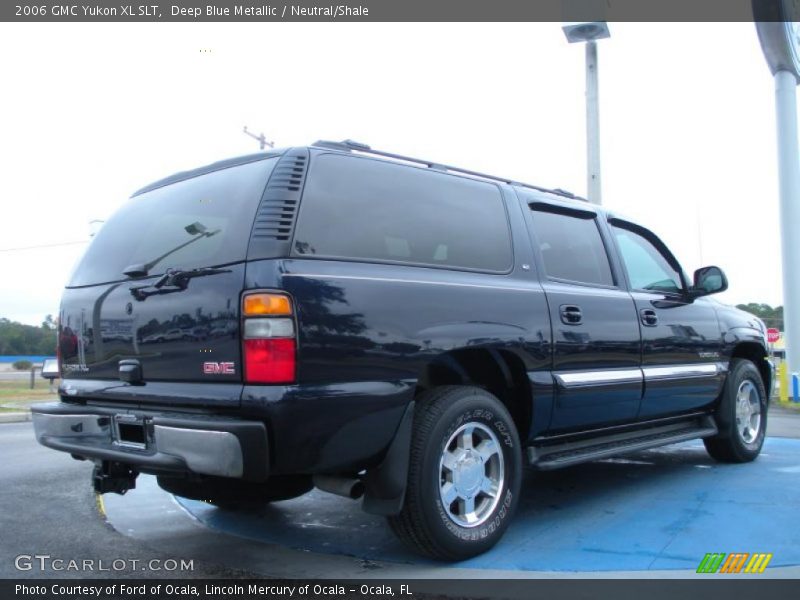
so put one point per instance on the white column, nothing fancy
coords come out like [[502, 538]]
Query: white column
[[789, 181], [592, 125]]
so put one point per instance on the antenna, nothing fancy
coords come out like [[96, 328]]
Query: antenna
[[262, 141]]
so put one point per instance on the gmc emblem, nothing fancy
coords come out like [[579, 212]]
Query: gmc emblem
[[219, 368]]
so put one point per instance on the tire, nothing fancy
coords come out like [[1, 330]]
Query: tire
[[444, 419], [234, 494], [741, 416]]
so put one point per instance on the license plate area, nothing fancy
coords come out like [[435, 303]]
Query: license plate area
[[130, 431]]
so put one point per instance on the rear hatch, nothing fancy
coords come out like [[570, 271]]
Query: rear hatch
[[159, 287]]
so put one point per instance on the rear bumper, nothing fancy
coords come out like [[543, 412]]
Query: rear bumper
[[173, 442]]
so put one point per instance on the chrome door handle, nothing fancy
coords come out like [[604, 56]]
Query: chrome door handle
[[649, 317], [570, 314]]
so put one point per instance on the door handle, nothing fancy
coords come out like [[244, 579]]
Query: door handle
[[649, 317], [571, 314]]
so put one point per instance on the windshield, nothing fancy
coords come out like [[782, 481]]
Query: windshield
[[199, 222]]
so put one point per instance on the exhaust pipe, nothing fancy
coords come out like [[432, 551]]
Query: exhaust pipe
[[341, 486]]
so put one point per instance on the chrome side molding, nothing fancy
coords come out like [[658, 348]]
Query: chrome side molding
[[681, 371], [574, 379], [611, 376]]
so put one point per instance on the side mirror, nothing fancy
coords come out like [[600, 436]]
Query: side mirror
[[50, 369], [708, 280]]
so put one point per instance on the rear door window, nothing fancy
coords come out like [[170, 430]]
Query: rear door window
[[571, 246], [199, 222], [365, 209]]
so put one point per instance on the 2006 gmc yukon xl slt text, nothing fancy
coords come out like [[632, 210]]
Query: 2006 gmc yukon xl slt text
[[380, 326]]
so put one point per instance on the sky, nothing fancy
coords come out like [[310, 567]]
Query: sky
[[91, 112]]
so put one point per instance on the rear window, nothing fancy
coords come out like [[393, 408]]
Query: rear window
[[200, 222], [364, 209]]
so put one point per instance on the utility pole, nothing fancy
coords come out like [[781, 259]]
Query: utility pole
[[779, 41], [789, 178], [590, 33], [592, 125], [261, 139]]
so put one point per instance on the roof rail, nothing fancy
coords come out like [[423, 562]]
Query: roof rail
[[353, 146]]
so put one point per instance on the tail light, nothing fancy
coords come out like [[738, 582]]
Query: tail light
[[270, 342]]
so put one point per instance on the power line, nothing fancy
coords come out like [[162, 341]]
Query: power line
[[43, 246]]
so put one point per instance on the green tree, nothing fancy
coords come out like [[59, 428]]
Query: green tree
[[772, 317], [18, 338]]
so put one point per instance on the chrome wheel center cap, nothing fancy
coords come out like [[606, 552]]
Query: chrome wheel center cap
[[468, 474], [744, 409]]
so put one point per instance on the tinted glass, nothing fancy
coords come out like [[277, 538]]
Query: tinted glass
[[572, 248], [647, 268], [367, 209], [199, 222]]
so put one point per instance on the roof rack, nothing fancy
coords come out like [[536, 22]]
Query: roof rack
[[353, 146]]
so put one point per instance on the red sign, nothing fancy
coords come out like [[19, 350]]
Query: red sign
[[773, 335]]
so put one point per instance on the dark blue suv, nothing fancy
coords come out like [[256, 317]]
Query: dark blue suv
[[383, 327]]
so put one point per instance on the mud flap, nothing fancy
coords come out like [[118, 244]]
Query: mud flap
[[385, 485]]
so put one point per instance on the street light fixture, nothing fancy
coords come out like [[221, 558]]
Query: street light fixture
[[589, 33], [586, 32]]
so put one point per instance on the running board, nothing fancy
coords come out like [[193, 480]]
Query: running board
[[546, 458]]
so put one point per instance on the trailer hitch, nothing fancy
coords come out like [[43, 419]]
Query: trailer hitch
[[113, 477]]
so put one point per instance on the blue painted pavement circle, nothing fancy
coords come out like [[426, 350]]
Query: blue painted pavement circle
[[653, 510]]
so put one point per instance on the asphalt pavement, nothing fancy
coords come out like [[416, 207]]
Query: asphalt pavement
[[47, 507], [783, 421]]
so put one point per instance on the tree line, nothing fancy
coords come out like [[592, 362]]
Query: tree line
[[18, 338], [772, 317]]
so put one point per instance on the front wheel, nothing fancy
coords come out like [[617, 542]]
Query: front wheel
[[464, 474], [741, 416]]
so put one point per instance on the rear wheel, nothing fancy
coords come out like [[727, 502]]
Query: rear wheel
[[741, 416], [234, 494], [464, 474]]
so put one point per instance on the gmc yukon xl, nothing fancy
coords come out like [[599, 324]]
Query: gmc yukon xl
[[391, 329]]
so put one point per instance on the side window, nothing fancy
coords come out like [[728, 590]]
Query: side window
[[571, 247], [367, 209], [648, 269]]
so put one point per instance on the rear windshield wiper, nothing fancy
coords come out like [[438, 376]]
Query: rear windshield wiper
[[196, 229], [173, 280]]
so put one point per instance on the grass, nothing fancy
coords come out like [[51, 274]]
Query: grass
[[18, 395]]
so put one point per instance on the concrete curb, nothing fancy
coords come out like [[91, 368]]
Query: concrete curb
[[15, 417]]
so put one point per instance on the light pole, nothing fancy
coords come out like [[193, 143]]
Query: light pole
[[781, 48], [590, 33]]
